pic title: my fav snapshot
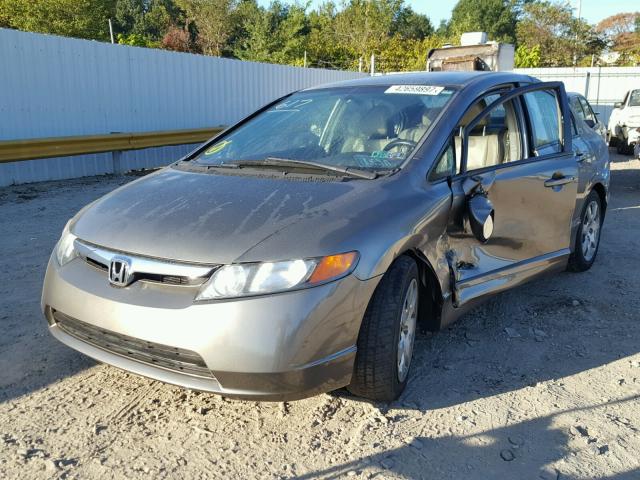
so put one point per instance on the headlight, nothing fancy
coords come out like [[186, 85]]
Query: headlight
[[248, 279], [65, 249]]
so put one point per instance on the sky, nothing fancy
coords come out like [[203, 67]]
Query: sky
[[592, 10]]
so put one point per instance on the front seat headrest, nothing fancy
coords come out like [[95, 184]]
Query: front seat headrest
[[375, 123]]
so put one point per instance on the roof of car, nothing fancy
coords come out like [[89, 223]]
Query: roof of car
[[460, 79]]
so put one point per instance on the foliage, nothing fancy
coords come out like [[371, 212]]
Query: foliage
[[178, 40], [562, 39], [411, 25], [70, 18], [623, 32], [333, 35], [275, 34], [527, 57], [213, 22], [133, 40], [496, 17]]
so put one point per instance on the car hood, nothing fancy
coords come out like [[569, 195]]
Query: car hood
[[210, 218]]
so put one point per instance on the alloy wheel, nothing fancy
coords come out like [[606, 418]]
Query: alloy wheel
[[407, 329], [590, 230]]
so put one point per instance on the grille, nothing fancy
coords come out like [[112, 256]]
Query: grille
[[155, 354], [150, 277]]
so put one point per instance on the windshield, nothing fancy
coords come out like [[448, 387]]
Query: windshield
[[364, 127], [634, 101]]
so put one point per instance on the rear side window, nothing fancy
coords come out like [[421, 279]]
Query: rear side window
[[576, 107], [544, 115], [588, 111]]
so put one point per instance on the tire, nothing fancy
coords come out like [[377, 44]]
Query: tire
[[623, 148], [582, 258], [377, 372], [613, 140]]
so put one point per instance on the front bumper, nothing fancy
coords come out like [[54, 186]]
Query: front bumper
[[631, 135], [274, 347]]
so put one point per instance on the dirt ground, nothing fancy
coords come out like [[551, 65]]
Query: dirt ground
[[540, 382]]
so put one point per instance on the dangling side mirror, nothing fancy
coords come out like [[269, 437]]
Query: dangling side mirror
[[481, 215]]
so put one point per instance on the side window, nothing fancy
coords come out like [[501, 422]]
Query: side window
[[544, 115], [577, 109], [446, 164], [588, 111], [495, 139]]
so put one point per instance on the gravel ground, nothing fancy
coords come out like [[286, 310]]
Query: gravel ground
[[540, 382]]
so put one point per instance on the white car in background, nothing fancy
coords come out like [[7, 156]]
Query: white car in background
[[624, 124]]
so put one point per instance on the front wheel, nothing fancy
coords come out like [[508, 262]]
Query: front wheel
[[385, 342], [588, 236]]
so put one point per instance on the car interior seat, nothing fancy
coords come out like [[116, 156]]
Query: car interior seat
[[415, 133], [486, 143], [374, 132]]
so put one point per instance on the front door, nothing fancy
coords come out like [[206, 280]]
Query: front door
[[517, 152]]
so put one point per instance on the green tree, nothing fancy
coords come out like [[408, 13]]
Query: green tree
[[401, 54], [213, 22], [323, 48], [496, 17], [149, 19], [364, 25], [133, 40], [70, 18], [527, 57], [276, 34], [408, 24], [563, 39]]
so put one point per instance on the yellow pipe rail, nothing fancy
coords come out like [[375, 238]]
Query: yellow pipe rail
[[36, 148]]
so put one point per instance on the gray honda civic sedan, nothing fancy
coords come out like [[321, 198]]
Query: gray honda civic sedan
[[301, 250]]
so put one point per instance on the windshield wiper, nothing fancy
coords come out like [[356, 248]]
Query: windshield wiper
[[288, 162]]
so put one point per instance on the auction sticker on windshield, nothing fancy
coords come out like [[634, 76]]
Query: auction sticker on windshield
[[415, 89]]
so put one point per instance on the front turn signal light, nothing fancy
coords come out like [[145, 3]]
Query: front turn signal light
[[333, 266]]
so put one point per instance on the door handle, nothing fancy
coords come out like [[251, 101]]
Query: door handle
[[557, 181], [580, 157]]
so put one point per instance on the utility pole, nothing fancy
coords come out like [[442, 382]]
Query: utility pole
[[575, 53], [111, 31], [305, 59], [360, 64], [373, 64]]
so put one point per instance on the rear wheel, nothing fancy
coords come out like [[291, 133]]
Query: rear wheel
[[622, 148], [588, 236], [385, 342]]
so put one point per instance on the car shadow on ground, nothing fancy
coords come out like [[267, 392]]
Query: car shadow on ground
[[530, 449], [45, 361]]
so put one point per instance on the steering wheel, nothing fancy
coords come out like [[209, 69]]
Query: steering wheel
[[399, 142]]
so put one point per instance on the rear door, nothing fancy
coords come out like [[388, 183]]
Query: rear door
[[517, 153]]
